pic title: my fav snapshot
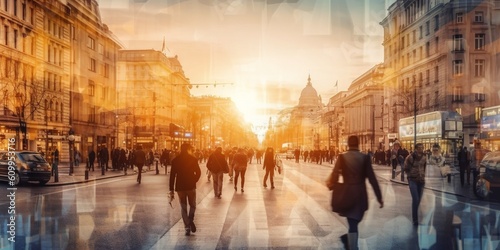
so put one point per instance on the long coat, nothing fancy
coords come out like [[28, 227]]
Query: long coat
[[355, 168]]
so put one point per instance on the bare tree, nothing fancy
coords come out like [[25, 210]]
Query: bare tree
[[416, 95], [23, 93]]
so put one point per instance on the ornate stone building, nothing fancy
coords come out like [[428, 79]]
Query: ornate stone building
[[153, 93], [302, 130], [92, 65], [446, 51]]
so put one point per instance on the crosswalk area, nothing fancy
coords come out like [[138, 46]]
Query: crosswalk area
[[295, 214]]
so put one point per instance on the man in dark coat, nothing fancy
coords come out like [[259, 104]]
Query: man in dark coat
[[355, 167], [184, 174], [463, 157], [91, 159], [104, 157], [217, 165], [139, 161]]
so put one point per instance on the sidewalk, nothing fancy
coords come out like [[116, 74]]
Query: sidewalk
[[431, 183], [79, 174]]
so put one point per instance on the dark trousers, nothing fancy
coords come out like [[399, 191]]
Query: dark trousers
[[139, 172], [237, 174], [463, 169], [185, 198], [416, 191], [353, 225], [270, 174]]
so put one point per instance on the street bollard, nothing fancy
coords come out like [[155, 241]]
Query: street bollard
[[102, 168], [402, 173], [157, 170], [449, 178], [393, 173], [56, 172], [87, 171]]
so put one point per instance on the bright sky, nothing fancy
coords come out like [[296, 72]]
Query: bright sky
[[267, 48]]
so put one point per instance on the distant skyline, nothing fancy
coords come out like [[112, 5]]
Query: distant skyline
[[267, 48]]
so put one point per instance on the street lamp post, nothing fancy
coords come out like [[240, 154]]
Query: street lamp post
[[71, 139]]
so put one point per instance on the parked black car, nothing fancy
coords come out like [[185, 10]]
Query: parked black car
[[487, 182], [29, 166]]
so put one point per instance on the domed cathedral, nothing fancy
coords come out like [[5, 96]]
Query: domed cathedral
[[304, 117]]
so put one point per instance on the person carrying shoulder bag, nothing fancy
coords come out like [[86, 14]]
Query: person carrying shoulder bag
[[355, 167]]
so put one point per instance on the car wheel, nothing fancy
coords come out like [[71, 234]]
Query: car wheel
[[42, 183], [481, 188], [17, 179]]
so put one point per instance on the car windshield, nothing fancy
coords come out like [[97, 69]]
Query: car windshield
[[33, 157]]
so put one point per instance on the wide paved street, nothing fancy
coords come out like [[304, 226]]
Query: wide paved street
[[118, 213]]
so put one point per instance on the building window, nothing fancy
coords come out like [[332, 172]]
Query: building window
[[457, 94], [436, 74], [100, 48], [421, 32], [427, 77], [6, 34], [458, 42], [92, 64], [92, 114], [427, 49], [437, 44], [436, 98], [23, 11], [459, 17], [458, 67], [479, 42], [91, 88], [478, 17], [16, 33], [427, 28], [479, 96], [106, 70], [104, 92], [479, 67], [91, 43], [477, 113], [436, 22], [15, 7]]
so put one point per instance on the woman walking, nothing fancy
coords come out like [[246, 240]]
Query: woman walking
[[269, 166], [239, 164]]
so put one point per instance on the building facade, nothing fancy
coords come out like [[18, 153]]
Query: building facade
[[92, 78], [35, 74], [441, 55], [153, 93]]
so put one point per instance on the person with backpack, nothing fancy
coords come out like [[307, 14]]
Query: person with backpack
[[415, 165], [217, 165]]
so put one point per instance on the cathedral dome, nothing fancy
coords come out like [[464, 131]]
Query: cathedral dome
[[309, 95]]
